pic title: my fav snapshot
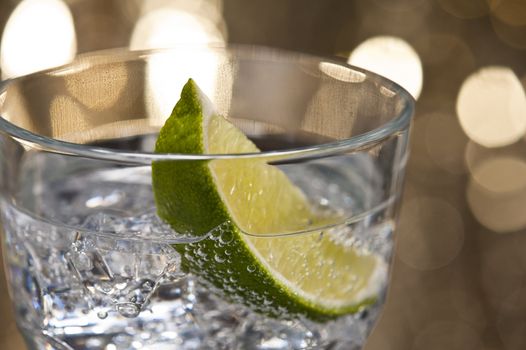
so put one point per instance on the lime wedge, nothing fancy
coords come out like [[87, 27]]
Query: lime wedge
[[306, 274]]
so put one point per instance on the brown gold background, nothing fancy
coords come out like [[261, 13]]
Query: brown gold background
[[459, 279]]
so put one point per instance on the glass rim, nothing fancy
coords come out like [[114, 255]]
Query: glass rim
[[358, 142]]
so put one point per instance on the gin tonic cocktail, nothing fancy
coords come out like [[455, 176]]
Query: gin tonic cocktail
[[258, 213]]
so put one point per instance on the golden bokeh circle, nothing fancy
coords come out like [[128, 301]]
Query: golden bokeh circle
[[514, 36], [441, 127], [403, 66], [496, 193], [511, 12], [399, 6], [511, 324], [465, 9], [430, 234], [450, 335], [491, 107]]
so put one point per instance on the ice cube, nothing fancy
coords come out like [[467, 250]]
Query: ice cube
[[119, 270]]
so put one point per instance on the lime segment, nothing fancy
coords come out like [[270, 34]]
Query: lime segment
[[239, 203]]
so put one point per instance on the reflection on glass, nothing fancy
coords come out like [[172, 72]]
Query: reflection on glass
[[103, 96], [491, 107], [341, 73], [393, 58], [39, 34]]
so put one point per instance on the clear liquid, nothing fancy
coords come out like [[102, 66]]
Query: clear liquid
[[108, 277]]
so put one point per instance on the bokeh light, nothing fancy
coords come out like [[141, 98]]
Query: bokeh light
[[430, 165], [476, 154], [401, 18], [465, 9], [39, 34], [451, 335], [393, 58], [466, 307], [512, 12], [432, 235], [512, 35], [209, 10], [386, 336], [399, 5], [440, 127], [496, 193], [511, 323], [491, 107], [14, 341], [169, 27], [502, 265]]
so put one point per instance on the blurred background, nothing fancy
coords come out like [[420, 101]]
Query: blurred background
[[459, 279]]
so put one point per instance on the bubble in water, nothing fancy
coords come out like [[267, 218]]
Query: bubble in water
[[82, 262], [128, 270], [137, 297], [121, 285], [179, 319], [218, 258], [226, 237], [201, 252], [105, 287], [122, 341], [214, 234], [128, 310], [274, 343], [172, 271], [147, 286]]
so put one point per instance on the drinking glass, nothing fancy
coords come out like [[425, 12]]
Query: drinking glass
[[89, 263]]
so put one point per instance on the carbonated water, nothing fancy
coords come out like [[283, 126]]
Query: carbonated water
[[91, 266]]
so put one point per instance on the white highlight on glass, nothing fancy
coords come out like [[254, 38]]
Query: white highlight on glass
[[341, 73], [491, 107], [174, 28], [39, 34], [393, 58]]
